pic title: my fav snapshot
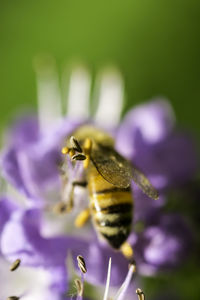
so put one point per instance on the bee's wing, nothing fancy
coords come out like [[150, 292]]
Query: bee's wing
[[112, 166], [118, 171], [144, 184]]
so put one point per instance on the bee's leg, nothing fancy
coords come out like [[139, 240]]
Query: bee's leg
[[127, 251], [70, 203], [82, 218], [84, 215], [79, 183], [62, 206], [87, 147], [66, 205]]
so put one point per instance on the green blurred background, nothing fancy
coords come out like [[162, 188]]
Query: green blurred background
[[155, 43]]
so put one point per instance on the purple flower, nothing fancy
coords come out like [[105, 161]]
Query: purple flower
[[32, 154], [30, 163]]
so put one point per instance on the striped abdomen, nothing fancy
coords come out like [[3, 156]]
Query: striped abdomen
[[111, 209]]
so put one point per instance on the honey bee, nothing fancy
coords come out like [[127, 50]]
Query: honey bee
[[109, 177]]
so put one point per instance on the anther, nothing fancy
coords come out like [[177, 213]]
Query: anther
[[13, 298], [15, 265], [75, 144], [79, 287], [140, 294], [133, 264], [79, 156], [81, 264]]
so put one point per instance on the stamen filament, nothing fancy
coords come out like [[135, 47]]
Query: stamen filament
[[108, 280], [111, 90], [121, 293], [79, 94]]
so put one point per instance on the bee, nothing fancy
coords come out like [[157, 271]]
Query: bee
[[109, 177]]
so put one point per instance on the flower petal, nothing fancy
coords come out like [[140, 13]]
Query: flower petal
[[32, 167], [163, 245], [154, 121]]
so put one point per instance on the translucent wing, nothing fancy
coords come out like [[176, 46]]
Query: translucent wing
[[144, 184], [118, 171], [112, 166]]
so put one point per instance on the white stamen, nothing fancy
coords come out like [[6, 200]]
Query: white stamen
[[48, 93], [79, 94], [108, 280], [110, 104], [123, 288]]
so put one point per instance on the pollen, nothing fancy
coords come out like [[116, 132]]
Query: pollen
[[82, 218], [87, 146], [127, 250], [71, 152], [87, 151], [65, 150]]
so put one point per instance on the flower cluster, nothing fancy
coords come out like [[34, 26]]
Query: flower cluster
[[30, 230]]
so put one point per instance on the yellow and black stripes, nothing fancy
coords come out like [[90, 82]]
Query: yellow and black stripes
[[111, 209]]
